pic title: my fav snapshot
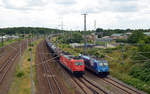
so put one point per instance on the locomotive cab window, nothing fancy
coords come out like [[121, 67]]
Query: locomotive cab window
[[78, 63], [103, 63]]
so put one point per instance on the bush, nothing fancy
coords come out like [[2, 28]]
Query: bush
[[20, 74], [29, 59], [31, 45], [30, 49], [141, 72], [125, 55]]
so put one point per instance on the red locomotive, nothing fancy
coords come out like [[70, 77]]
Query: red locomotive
[[73, 64]]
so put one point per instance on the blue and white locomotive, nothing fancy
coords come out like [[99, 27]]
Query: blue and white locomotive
[[98, 66]]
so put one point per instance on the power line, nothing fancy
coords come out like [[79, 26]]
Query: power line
[[2, 39]]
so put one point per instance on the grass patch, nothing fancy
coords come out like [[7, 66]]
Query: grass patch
[[22, 81], [9, 42]]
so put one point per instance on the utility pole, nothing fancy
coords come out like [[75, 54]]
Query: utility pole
[[27, 43], [24, 35], [122, 50], [2, 40], [20, 48], [71, 35], [32, 86], [95, 32], [85, 40], [62, 28], [62, 25], [95, 25]]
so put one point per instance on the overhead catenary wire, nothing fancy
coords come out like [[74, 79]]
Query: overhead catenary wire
[[46, 61]]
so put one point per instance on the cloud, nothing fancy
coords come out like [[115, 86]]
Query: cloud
[[65, 2], [122, 6], [45, 13], [125, 8], [122, 0], [10, 4], [40, 3], [114, 6], [23, 4]]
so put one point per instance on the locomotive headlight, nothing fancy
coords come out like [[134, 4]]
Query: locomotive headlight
[[106, 64], [100, 64]]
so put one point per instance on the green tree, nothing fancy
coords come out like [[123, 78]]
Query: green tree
[[136, 37]]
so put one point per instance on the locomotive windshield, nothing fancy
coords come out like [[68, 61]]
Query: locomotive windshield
[[78, 63], [103, 63]]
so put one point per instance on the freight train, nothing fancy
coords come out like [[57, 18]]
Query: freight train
[[77, 65], [98, 66], [73, 64]]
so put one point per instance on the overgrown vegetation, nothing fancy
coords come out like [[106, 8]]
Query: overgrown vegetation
[[22, 80], [135, 69], [141, 69]]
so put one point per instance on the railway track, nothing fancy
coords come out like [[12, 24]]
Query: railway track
[[87, 86], [8, 61], [103, 91], [7, 52], [120, 86], [52, 81], [6, 67]]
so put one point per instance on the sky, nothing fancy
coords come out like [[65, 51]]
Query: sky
[[109, 14]]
